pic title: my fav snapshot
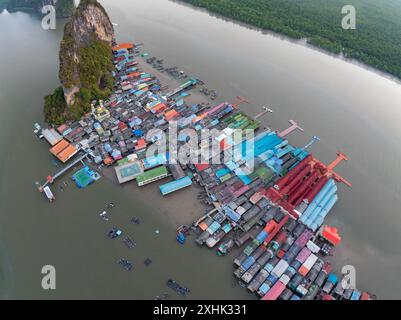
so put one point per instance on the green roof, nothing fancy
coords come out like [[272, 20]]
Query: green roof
[[152, 174]]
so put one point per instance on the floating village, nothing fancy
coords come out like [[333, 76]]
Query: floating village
[[267, 201]]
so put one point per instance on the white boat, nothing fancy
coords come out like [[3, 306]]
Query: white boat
[[49, 194], [38, 130]]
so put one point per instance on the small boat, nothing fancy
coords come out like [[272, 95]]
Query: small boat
[[129, 242], [114, 233], [184, 229], [38, 130], [37, 126], [125, 264], [49, 194], [181, 290], [163, 296], [181, 238], [225, 247], [135, 220], [104, 215]]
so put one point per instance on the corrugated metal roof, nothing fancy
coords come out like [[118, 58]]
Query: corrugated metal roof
[[152, 174], [175, 185]]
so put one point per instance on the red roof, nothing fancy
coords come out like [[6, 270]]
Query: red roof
[[159, 108], [122, 126], [201, 166], [62, 128], [280, 254], [67, 153], [108, 161], [170, 114], [365, 296], [224, 145], [134, 75], [270, 226], [331, 235], [59, 147], [140, 144], [123, 46], [144, 115], [275, 291]]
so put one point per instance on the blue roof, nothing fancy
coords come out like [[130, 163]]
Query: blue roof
[[255, 147], [175, 185], [227, 228], [234, 216], [155, 161], [222, 172]]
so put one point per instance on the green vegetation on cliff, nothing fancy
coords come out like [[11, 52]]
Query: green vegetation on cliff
[[67, 63], [375, 42], [55, 107], [86, 63], [95, 69], [96, 82]]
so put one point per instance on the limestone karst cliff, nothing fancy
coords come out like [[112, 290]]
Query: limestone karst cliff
[[85, 63]]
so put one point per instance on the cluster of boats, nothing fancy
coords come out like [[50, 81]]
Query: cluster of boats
[[182, 234], [181, 290], [114, 233], [212, 94]]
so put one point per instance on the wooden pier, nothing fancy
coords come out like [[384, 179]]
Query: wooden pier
[[53, 178]]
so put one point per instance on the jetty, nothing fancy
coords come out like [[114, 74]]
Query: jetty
[[52, 178]]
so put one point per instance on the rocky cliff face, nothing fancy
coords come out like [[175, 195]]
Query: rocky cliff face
[[89, 25], [64, 8], [86, 62]]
